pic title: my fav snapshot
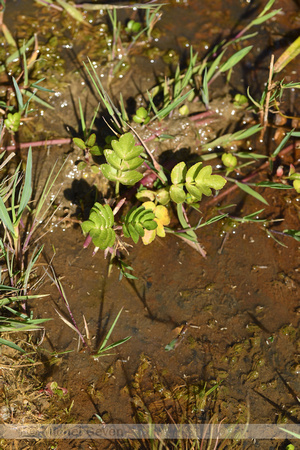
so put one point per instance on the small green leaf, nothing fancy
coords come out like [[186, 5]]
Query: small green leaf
[[125, 147], [145, 195], [79, 142], [96, 151], [86, 226], [193, 172], [133, 233], [109, 172], [133, 163], [91, 140], [142, 113], [177, 193], [178, 173], [12, 122], [130, 178], [81, 165], [194, 191], [113, 159], [95, 169]]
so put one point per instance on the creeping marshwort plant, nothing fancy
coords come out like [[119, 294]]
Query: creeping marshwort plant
[[186, 183], [147, 196]]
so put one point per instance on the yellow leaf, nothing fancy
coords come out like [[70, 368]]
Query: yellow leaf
[[149, 236], [288, 55], [162, 214], [160, 231], [149, 205]]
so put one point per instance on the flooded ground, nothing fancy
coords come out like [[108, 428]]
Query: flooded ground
[[234, 314]]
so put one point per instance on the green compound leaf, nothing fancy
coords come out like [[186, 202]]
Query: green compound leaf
[[198, 180], [99, 226], [125, 147], [205, 180], [138, 220], [123, 158], [112, 159]]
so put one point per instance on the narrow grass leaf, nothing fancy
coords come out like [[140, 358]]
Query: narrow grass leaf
[[272, 185], [212, 220], [205, 91], [250, 191], [214, 65], [8, 36], [110, 331], [18, 95], [293, 233], [16, 55], [287, 56], [113, 345], [11, 345], [152, 104], [282, 144], [264, 18], [68, 323], [271, 235], [4, 216], [27, 188], [250, 155], [244, 134], [72, 11], [82, 119], [35, 255], [37, 99], [296, 435], [234, 59]]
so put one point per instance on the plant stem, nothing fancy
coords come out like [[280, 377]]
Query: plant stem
[[249, 177], [61, 141]]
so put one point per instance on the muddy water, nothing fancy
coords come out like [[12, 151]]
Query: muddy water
[[239, 306]]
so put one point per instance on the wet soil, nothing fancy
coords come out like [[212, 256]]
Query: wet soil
[[239, 306]]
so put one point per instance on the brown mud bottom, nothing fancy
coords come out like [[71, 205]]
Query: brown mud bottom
[[241, 312]]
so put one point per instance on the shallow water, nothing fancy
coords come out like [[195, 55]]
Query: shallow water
[[240, 305]]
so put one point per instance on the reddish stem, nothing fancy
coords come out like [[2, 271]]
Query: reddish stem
[[61, 141], [251, 176]]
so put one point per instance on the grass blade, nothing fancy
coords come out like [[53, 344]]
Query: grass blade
[[282, 144], [27, 188], [250, 191], [18, 95], [234, 59], [6, 220], [11, 345], [109, 332], [72, 11]]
